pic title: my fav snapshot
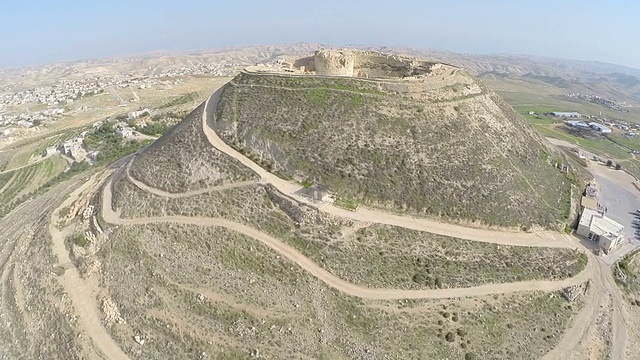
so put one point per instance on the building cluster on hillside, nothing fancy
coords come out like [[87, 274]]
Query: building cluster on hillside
[[14, 105], [136, 114], [598, 124], [67, 91], [27, 120], [601, 100], [223, 69], [74, 148]]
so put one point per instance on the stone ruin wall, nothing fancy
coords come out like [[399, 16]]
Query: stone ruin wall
[[334, 62], [367, 64]]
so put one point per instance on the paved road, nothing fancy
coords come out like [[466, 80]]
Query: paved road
[[621, 198], [621, 204]]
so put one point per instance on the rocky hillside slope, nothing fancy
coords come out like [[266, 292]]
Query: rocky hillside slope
[[440, 146]]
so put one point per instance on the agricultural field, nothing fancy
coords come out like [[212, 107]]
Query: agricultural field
[[616, 146], [541, 97], [205, 291], [366, 144], [17, 185], [37, 315], [545, 96]]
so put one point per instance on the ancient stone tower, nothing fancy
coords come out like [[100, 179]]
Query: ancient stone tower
[[334, 62]]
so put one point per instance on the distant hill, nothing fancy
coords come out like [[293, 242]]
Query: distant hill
[[626, 78], [440, 145]]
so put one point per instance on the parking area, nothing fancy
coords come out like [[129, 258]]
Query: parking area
[[621, 198]]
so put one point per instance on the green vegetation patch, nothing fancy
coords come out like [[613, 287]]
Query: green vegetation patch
[[109, 145], [181, 100], [396, 153], [346, 203], [19, 185]]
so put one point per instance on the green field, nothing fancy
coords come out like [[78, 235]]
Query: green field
[[16, 186], [529, 94], [615, 146]]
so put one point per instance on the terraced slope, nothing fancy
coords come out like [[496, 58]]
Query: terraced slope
[[182, 160], [445, 147]]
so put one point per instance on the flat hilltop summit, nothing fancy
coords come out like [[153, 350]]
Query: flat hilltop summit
[[380, 130], [356, 63]]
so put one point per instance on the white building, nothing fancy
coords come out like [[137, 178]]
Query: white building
[[577, 124], [600, 229], [125, 132], [566, 114], [49, 151], [599, 127], [93, 155], [136, 114]]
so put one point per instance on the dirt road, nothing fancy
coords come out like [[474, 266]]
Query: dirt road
[[331, 280], [545, 239], [80, 294], [158, 192]]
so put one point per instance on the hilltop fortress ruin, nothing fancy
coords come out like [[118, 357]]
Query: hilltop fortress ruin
[[356, 63]]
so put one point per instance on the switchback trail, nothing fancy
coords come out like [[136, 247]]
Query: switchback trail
[[548, 239], [328, 278], [158, 192]]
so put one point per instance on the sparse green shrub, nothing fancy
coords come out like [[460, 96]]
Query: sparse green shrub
[[80, 240], [450, 337]]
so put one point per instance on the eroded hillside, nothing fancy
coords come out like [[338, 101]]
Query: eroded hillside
[[441, 145], [182, 160]]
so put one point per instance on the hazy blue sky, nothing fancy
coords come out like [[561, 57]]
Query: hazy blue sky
[[37, 32]]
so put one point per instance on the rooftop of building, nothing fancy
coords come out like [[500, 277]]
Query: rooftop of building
[[599, 224]]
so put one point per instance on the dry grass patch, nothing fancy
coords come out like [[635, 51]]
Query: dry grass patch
[[388, 256], [421, 154], [377, 255], [209, 290], [183, 160]]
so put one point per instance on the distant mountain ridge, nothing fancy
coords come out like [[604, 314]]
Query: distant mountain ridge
[[557, 72]]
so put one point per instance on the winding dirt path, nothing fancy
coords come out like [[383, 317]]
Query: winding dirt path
[[89, 317], [158, 192], [544, 239], [331, 280]]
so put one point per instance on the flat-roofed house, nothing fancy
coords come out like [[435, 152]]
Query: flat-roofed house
[[605, 232]]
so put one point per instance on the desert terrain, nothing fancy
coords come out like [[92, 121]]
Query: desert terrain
[[187, 245]]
